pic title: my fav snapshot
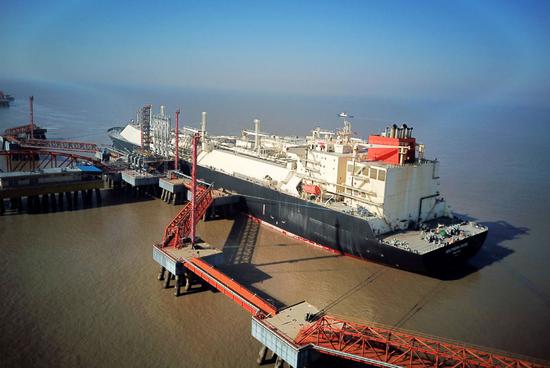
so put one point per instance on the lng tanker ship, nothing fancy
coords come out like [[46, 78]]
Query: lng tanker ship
[[375, 199]]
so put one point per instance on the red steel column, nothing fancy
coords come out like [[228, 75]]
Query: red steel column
[[177, 153], [193, 187]]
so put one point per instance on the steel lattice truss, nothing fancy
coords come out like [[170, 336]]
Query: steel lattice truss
[[383, 347], [60, 145], [30, 160], [180, 227], [23, 129]]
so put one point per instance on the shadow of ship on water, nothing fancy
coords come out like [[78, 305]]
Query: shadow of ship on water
[[491, 251], [242, 240]]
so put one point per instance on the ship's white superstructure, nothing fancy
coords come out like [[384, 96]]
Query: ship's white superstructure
[[331, 168], [390, 196]]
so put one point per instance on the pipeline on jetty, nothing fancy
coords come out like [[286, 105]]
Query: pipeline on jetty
[[47, 172]]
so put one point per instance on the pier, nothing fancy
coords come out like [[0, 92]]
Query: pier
[[293, 335], [49, 188]]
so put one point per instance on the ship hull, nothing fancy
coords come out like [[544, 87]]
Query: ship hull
[[333, 230]]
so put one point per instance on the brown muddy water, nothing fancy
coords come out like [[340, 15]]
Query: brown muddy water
[[79, 288]]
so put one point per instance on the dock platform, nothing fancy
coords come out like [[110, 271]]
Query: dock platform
[[277, 333], [173, 259], [139, 179]]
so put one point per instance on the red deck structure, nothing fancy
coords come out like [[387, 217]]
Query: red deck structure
[[29, 160], [381, 346], [59, 145]]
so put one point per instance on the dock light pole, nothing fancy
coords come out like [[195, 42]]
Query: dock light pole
[[31, 99], [196, 138], [177, 153]]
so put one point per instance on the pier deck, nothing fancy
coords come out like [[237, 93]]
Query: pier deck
[[137, 178]]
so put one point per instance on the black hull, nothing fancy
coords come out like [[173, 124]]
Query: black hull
[[336, 231]]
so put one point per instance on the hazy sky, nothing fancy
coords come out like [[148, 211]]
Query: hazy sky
[[362, 48]]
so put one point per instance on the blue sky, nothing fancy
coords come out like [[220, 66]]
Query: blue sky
[[430, 49]]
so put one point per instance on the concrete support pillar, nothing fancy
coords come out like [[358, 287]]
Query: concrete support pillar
[[167, 281], [262, 355], [13, 203], [174, 196], [53, 202], [2, 208], [177, 286], [273, 357], [69, 199], [161, 273], [30, 204], [98, 196], [279, 363], [45, 202], [188, 279], [60, 201], [36, 203], [75, 198]]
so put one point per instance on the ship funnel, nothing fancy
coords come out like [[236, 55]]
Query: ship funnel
[[405, 133], [162, 110], [393, 131]]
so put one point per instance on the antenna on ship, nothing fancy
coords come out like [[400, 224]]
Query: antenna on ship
[[346, 131], [257, 143]]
